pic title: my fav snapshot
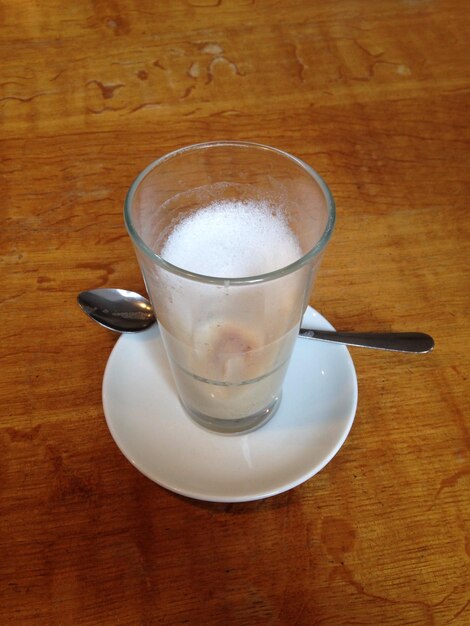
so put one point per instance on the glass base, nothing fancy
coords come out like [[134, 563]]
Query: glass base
[[237, 426]]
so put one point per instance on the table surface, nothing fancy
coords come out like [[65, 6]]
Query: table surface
[[374, 95]]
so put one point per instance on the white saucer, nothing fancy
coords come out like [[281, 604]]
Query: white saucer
[[151, 429]]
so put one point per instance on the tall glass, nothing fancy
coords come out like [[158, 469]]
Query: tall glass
[[228, 340]]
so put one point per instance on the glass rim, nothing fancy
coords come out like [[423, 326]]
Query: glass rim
[[221, 280]]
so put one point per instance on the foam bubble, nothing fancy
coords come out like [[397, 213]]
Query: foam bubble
[[232, 239]]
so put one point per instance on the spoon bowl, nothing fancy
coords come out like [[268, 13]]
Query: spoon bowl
[[117, 309]]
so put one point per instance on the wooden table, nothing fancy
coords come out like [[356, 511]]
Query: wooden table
[[374, 95]]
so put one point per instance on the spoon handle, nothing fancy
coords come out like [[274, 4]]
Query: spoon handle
[[400, 342]]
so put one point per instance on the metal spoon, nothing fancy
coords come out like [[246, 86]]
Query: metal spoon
[[128, 312]]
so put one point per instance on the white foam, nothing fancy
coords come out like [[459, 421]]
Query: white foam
[[232, 239]]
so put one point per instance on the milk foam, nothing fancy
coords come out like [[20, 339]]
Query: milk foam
[[232, 239]]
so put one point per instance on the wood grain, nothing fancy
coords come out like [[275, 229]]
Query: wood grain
[[374, 95]]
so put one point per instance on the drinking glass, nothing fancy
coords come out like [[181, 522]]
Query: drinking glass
[[229, 339]]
